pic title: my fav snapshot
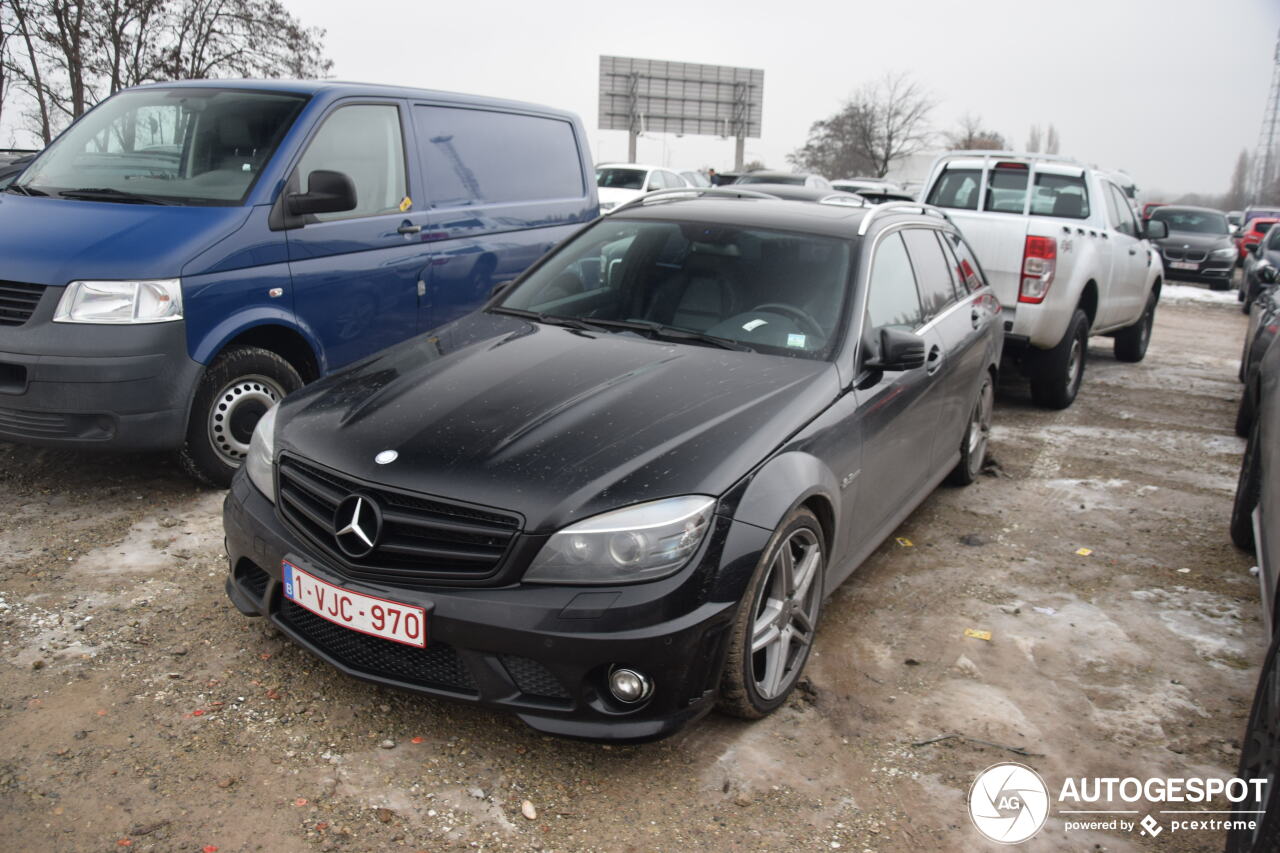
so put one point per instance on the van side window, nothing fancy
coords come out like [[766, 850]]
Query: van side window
[[363, 141], [932, 277], [1061, 196], [958, 188], [474, 156], [892, 299]]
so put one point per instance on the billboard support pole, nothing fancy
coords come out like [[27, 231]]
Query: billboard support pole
[[633, 99], [738, 151]]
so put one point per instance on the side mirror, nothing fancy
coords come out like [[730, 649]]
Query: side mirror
[[899, 350], [1255, 249], [1267, 273], [327, 192], [1156, 230]]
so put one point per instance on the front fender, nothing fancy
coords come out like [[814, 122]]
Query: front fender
[[216, 338]]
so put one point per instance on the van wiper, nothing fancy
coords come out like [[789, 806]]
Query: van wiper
[[20, 189], [110, 194]]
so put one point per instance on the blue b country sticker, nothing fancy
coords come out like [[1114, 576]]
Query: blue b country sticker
[[286, 571]]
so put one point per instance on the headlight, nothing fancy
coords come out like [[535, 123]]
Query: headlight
[[262, 450], [1224, 254], [639, 543], [156, 301]]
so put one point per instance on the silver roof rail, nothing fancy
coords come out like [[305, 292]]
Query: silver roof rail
[[689, 192], [899, 207]]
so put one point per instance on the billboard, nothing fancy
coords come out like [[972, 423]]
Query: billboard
[[651, 95]]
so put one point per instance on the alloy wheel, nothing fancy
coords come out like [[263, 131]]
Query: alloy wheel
[[786, 609]]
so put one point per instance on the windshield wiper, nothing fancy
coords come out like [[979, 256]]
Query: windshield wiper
[[552, 319], [677, 333], [109, 194], [19, 189]]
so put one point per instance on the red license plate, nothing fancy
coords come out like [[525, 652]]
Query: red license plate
[[368, 614]]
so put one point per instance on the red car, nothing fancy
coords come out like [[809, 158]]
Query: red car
[[1150, 206], [1253, 233]]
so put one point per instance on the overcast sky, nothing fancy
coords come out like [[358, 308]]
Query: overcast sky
[[1169, 90]]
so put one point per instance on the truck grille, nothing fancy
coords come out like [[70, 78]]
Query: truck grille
[[18, 301], [423, 539]]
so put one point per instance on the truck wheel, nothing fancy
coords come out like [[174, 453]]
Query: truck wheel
[[1060, 371], [973, 447], [1131, 343], [776, 620], [1248, 487], [236, 390]]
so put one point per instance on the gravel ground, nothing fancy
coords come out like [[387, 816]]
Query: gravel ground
[[139, 710]]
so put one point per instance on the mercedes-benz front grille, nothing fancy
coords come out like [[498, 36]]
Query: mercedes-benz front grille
[[423, 539]]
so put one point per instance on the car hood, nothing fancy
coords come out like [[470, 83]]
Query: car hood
[[1195, 242], [553, 423], [54, 241]]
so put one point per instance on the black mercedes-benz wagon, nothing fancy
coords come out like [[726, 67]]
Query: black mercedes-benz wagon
[[616, 496]]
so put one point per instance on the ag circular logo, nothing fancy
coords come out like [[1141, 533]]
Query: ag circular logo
[[1008, 803]]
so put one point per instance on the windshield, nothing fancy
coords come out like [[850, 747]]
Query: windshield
[[173, 146], [1191, 221], [623, 179], [772, 291]]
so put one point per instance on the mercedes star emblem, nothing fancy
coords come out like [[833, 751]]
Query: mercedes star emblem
[[357, 524]]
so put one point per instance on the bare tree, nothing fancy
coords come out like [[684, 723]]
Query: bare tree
[[971, 135], [1033, 139], [66, 55], [883, 122], [1051, 142]]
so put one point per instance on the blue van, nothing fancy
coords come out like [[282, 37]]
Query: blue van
[[186, 254]]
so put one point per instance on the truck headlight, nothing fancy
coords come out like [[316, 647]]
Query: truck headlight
[[155, 301], [1224, 254], [638, 543], [262, 451]]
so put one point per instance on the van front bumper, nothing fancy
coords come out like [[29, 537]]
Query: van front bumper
[[82, 386], [542, 652]]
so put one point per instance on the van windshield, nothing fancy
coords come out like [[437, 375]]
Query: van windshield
[[187, 145]]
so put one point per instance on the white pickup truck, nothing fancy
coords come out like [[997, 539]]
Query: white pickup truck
[[1065, 254]]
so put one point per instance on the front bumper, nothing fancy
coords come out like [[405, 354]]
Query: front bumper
[[85, 386], [542, 652], [1206, 272]]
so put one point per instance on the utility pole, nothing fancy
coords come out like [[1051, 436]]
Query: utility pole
[[1263, 171]]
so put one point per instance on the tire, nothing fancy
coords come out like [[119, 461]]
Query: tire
[[1131, 343], [1245, 413], [1059, 371], [236, 389], [1248, 487], [973, 447], [1260, 759], [755, 684]]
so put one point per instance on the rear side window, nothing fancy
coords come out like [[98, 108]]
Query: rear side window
[[892, 299], [1006, 190], [1261, 227], [932, 278], [1061, 196], [484, 157], [958, 188], [363, 141], [967, 269]]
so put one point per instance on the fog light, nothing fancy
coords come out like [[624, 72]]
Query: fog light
[[629, 686]]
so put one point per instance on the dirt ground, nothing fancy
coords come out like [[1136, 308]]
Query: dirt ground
[[139, 710]]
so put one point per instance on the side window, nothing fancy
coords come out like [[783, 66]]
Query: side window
[[484, 157], [656, 181], [1062, 196], [363, 141], [892, 299], [932, 278], [957, 188], [953, 266], [1125, 223], [967, 269], [674, 181], [1006, 190]]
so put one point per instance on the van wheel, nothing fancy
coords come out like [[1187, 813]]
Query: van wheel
[[776, 620], [1061, 370], [1248, 488], [973, 447], [1131, 343], [236, 390]]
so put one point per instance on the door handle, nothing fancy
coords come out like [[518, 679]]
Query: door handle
[[935, 360], [408, 229]]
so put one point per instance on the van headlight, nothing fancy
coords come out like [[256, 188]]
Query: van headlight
[[638, 543], [262, 451], [154, 301]]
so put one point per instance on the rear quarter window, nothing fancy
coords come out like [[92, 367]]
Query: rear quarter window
[[1061, 196], [957, 188], [473, 156]]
